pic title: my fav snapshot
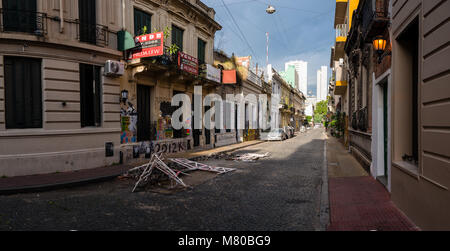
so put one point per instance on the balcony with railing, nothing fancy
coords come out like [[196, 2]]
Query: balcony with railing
[[341, 38], [95, 34], [70, 32], [340, 11], [375, 18], [28, 22], [341, 81]]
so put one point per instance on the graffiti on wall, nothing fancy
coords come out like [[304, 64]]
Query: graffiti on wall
[[128, 119], [163, 146]]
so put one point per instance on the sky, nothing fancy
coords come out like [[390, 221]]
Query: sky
[[299, 30]]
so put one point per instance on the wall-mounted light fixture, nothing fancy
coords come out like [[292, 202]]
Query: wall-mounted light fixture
[[379, 45], [124, 96]]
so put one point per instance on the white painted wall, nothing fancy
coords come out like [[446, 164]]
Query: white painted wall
[[377, 168]]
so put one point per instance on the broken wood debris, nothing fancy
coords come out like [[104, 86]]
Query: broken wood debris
[[193, 166], [144, 173]]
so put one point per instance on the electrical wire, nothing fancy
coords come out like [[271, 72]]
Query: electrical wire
[[242, 34]]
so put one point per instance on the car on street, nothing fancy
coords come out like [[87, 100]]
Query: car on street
[[277, 135]]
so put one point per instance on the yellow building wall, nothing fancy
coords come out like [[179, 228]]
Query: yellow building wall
[[352, 6]]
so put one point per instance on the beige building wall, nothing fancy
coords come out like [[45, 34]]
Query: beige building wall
[[422, 191], [61, 144]]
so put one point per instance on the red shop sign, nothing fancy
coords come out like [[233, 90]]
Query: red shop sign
[[188, 63], [152, 45]]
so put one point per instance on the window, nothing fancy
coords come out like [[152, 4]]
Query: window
[[19, 16], [88, 21], [90, 91], [23, 93], [141, 20], [177, 36], [407, 85], [201, 51]]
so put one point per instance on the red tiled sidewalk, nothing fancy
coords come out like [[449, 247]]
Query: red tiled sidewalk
[[363, 204]]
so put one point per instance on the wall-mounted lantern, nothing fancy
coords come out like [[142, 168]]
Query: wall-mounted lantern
[[379, 45], [124, 96]]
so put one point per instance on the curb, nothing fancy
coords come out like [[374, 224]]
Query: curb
[[87, 181], [50, 187]]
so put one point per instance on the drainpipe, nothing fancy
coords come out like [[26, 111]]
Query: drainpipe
[[123, 15], [61, 16]]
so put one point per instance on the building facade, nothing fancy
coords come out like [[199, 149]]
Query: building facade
[[420, 124], [302, 70], [58, 111], [291, 76], [152, 82], [322, 83]]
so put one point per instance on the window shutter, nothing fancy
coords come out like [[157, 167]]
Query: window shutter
[[23, 93]]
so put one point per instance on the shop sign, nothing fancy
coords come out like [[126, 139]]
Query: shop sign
[[151, 45], [213, 74], [229, 77], [244, 61], [188, 63]]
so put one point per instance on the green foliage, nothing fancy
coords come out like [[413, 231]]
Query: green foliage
[[173, 49], [309, 119], [321, 111], [144, 31], [166, 32]]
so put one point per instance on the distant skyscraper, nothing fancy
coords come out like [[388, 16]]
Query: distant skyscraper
[[322, 84], [302, 71]]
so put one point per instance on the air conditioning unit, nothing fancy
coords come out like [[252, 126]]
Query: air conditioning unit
[[114, 68]]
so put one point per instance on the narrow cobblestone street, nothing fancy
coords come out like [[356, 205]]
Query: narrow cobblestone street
[[282, 192]]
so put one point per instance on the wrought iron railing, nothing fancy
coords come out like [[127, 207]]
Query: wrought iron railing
[[341, 30], [23, 21], [374, 10], [95, 34], [363, 119]]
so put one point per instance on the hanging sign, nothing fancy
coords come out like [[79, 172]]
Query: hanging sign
[[188, 63], [151, 45]]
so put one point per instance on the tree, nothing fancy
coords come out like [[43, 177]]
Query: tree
[[321, 111]]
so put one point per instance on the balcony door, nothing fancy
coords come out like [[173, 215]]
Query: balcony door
[[19, 15], [88, 21]]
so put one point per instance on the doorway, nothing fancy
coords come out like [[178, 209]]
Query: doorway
[[384, 179], [143, 107], [207, 131]]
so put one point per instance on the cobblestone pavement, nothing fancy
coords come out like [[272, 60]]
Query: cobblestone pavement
[[279, 193]]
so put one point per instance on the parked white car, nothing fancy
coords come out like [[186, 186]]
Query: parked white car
[[277, 135]]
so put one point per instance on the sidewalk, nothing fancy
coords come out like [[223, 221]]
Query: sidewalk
[[45, 182], [357, 201]]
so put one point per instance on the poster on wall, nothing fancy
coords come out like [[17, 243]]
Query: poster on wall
[[151, 45], [128, 129]]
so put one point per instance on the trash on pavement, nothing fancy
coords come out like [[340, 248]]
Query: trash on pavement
[[250, 157]]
